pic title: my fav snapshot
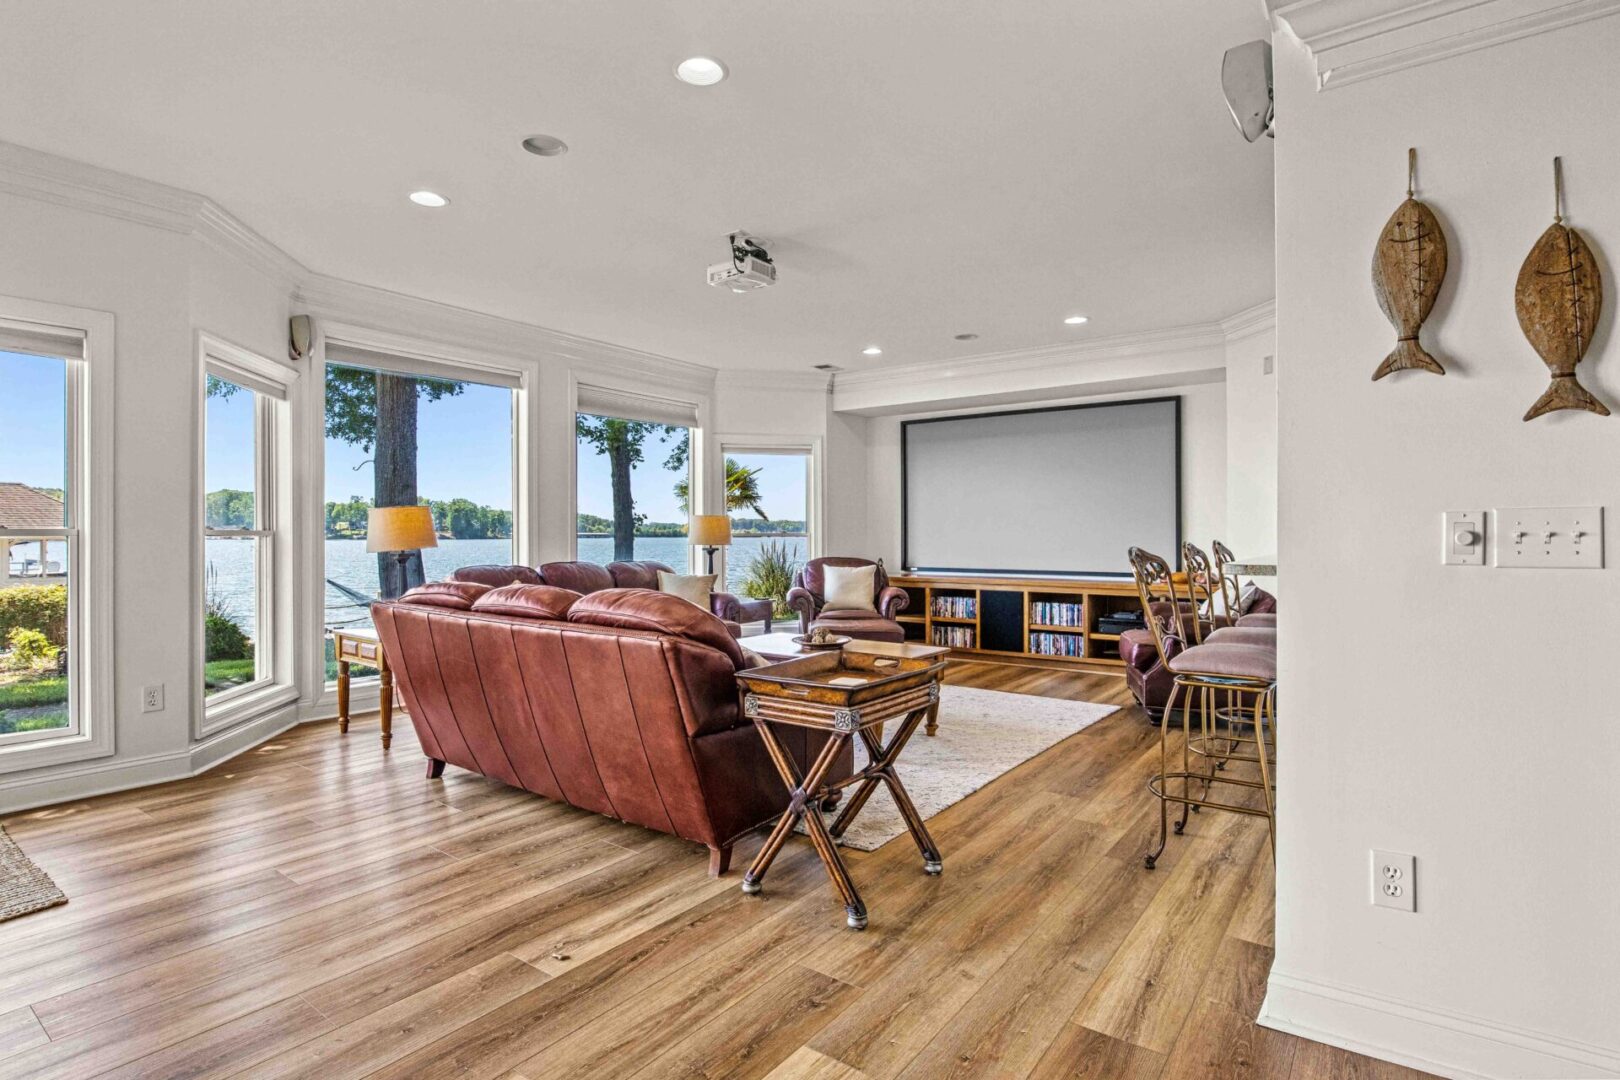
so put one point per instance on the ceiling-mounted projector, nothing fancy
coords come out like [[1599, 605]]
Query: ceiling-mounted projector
[[750, 266], [1246, 81]]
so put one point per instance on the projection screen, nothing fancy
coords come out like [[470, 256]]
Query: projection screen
[[1063, 490]]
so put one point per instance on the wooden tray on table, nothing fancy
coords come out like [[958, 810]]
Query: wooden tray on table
[[840, 691]]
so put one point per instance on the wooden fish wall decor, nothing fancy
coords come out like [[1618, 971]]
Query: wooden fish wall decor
[[1559, 297], [1408, 266]]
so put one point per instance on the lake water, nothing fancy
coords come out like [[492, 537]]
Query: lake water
[[348, 562]]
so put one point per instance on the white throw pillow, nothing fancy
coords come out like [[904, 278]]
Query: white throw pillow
[[694, 588], [848, 588]]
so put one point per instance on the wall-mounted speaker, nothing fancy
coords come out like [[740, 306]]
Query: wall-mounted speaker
[[1246, 81]]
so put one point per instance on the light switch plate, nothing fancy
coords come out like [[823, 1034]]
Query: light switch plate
[[1557, 537], [1463, 539]]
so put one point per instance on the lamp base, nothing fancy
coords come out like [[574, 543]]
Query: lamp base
[[708, 553]]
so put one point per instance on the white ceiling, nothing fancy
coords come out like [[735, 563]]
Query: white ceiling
[[921, 169]]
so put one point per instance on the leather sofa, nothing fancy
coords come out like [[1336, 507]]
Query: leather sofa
[[589, 577], [808, 598], [620, 701]]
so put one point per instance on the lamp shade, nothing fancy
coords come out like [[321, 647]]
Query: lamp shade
[[400, 528], [710, 530]]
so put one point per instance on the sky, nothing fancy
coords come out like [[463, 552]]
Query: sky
[[33, 418]]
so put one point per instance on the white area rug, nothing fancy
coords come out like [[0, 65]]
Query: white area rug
[[982, 734]]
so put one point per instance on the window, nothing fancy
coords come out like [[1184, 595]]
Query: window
[[244, 420], [768, 495], [402, 431], [633, 477], [56, 581]]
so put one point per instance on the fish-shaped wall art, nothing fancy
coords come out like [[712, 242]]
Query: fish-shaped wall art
[[1559, 297], [1408, 266]]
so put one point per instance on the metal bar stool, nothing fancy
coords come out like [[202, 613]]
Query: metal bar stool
[[1248, 672], [1220, 626]]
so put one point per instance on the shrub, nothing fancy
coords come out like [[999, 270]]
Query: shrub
[[770, 575], [26, 648], [35, 607], [225, 639]]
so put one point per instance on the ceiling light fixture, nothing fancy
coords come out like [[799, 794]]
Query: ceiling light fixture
[[545, 145], [429, 198], [967, 337], [700, 71], [1075, 320], [872, 350]]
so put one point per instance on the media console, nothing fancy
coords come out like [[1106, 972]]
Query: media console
[[1040, 618]]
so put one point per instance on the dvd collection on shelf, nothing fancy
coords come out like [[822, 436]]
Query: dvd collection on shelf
[[955, 607], [956, 637], [1057, 644], [1053, 613]]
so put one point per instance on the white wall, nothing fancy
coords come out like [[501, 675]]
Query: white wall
[[1203, 464], [1251, 442], [1462, 714]]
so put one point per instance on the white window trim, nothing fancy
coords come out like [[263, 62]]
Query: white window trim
[[448, 362], [265, 379], [697, 453], [810, 445], [93, 724]]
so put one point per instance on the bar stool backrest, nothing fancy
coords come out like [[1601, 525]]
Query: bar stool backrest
[[1166, 612], [1231, 590], [1200, 586]]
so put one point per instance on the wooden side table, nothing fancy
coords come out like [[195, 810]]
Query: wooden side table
[[845, 693], [357, 645]]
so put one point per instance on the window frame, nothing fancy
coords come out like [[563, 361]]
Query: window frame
[[273, 599], [810, 447], [87, 531]]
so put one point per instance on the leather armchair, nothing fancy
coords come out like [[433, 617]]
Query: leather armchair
[[808, 598]]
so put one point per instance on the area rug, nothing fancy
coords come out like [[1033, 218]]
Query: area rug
[[982, 734], [24, 887]]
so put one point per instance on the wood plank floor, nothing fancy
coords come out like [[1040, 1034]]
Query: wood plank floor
[[316, 908]]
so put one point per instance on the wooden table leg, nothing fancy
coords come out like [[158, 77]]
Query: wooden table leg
[[343, 696], [806, 793], [933, 719], [882, 768], [386, 705]]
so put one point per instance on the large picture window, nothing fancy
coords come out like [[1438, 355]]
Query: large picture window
[[244, 416], [768, 495], [402, 432], [633, 477]]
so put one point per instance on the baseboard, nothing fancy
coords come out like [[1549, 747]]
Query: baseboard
[[1447, 1044], [111, 775]]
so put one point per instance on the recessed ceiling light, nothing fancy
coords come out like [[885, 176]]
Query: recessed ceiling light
[[429, 198], [872, 350], [700, 71], [967, 337], [545, 145], [1075, 320]]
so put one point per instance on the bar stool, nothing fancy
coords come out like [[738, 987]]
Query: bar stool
[[1247, 673], [1232, 591]]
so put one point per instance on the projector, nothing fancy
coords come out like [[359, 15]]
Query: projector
[[750, 266]]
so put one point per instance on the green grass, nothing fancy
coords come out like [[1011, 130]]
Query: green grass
[[39, 722], [223, 674], [50, 690]]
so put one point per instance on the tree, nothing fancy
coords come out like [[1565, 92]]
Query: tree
[[742, 490], [376, 410], [621, 441]]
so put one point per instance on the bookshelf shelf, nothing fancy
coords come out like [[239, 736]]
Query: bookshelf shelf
[[1005, 615]]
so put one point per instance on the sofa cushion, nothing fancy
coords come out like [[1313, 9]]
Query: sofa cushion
[[528, 601], [581, 577], [694, 588], [637, 575], [643, 609], [496, 574], [450, 594], [1138, 649], [849, 588]]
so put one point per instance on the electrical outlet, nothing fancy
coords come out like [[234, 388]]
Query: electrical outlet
[[1394, 880], [152, 698]]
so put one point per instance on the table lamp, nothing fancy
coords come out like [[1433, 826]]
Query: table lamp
[[711, 532], [400, 530]]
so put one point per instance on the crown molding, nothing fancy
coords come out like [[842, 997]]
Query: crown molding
[[1353, 40], [1250, 322], [734, 379]]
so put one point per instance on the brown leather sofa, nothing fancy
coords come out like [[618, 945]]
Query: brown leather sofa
[[807, 597], [623, 702], [589, 577]]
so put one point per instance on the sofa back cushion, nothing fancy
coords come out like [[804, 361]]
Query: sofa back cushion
[[527, 601], [637, 575], [448, 594], [581, 577], [639, 609], [495, 574]]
